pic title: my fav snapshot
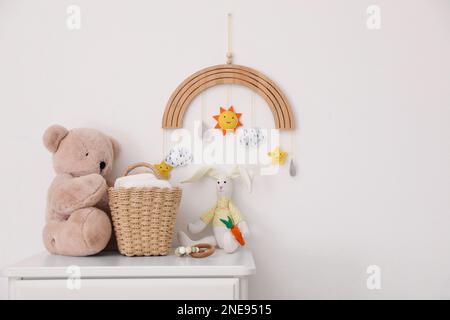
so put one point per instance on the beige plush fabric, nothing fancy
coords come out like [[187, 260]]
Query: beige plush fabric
[[77, 219]]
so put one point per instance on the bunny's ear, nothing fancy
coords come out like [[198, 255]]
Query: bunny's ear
[[239, 171], [235, 173], [215, 174], [208, 170]]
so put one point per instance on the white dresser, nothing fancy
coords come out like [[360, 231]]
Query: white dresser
[[112, 276]]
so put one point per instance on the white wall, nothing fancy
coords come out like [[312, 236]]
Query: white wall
[[372, 107]]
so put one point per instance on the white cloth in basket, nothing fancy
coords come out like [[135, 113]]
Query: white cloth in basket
[[141, 180]]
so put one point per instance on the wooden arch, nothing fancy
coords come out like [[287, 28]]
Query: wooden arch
[[227, 74]]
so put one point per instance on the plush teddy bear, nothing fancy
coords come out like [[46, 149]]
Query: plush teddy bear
[[76, 221]]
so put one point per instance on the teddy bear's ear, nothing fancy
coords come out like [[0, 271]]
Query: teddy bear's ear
[[53, 137], [116, 146]]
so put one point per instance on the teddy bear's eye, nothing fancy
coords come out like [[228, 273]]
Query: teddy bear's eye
[[218, 182], [224, 182], [87, 153]]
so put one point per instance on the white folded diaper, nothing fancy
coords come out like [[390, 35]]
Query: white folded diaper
[[141, 180]]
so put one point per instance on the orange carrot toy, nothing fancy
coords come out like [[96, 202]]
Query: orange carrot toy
[[235, 231]]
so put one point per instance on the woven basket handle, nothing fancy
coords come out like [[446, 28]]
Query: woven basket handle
[[142, 164]]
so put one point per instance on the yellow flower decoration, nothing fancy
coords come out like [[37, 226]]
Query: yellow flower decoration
[[278, 156]]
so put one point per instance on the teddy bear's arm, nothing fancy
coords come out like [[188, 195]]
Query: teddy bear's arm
[[68, 193], [103, 203]]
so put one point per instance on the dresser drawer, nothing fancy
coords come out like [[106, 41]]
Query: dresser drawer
[[170, 288]]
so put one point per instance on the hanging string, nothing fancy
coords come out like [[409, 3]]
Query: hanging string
[[292, 167], [229, 35], [202, 106], [164, 143], [229, 95], [229, 55], [203, 116], [252, 110], [292, 143]]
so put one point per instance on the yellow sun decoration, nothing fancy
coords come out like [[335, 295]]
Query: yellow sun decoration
[[227, 120]]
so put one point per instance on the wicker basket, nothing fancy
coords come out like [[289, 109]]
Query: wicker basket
[[143, 218]]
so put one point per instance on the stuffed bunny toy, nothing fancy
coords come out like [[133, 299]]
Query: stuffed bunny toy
[[229, 226]]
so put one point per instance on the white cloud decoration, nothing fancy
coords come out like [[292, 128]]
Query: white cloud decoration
[[179, 157], [251, 137]]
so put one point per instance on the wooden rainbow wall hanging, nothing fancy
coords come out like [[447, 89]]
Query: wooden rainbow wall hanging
[[230, 73], [227, 74]]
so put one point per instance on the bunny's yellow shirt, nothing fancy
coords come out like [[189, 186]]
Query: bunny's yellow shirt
[[222, 210]]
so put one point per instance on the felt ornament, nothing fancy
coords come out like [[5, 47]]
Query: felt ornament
[[292, 170], [251, 137], [227, 120], [163, 169], [278, 156], [234, 229], [178, 157]]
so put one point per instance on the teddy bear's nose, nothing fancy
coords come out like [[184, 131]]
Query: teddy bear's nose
[[102, 165]]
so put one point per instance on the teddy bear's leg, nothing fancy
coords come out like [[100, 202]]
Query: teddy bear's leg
[[86, 232]]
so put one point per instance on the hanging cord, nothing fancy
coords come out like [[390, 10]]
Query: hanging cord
[[252, 110], [164, 143], [229, 38], [202, 106], [203, 117], [229, 95], [292, 144], [292, 168], [229, 55]]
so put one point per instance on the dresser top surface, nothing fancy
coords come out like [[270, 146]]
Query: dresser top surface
[[114, 265]]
